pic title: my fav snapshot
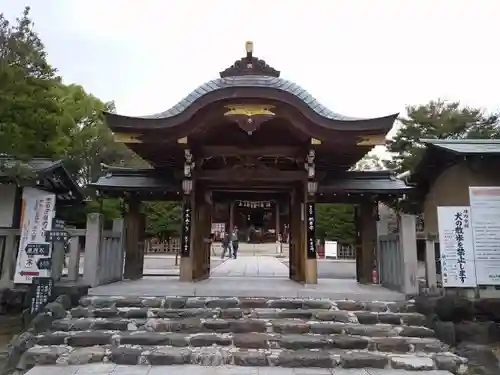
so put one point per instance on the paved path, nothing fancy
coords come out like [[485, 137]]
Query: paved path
[[110, 369], [245, 266], [247, 287]]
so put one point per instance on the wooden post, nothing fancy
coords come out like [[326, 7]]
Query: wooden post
[[231, 216], [277, 213], [368, 241], [93, 239], [189, 209], [119, 227], [132, 237], [310, 255]]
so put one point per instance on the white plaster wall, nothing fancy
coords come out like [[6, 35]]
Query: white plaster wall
[[7, 204]]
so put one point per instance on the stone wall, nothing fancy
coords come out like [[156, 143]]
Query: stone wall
[[472, 327]]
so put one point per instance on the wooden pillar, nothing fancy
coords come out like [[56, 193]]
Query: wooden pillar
[[310, 255], [187, 232], [231, 216], [368, 231], [357, 242], [293, 229], [133, 250], [277, 213]]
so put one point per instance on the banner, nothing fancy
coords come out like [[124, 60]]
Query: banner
[[485, 222], [456, 247], [34, 253]]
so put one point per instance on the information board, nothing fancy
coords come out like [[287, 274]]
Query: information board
[[456, 247], [485, 222], [40, 293]]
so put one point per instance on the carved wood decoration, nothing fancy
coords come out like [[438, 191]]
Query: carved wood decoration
[[249, 65], [249, 117]]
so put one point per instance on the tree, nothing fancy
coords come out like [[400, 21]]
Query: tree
[[373, 162], [32, 118], [438, 120], [335, 222], [164, 219]]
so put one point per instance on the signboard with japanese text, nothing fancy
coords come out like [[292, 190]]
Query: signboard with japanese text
[[311, 230], [485, 222], [40, 293], [456, 247], [37, 212], [186, 229]]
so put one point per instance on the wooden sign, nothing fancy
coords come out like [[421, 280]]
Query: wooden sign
[[311, 230], [187, 220], [40, 293]]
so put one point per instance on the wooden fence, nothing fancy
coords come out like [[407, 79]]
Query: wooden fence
[[104, 255]]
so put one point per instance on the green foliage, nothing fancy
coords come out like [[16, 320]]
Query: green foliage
[[437, 120], [32, 117], [164, 219], [335, 222]]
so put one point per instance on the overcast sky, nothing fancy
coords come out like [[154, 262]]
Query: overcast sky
[[358, 57]]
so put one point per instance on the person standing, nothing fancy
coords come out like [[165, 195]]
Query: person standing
[[226, 241], [235, 242]]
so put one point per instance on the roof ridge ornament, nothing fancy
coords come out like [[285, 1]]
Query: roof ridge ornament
[[249, 65]]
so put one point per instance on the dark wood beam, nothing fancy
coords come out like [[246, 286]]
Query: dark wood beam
[[243, 174], [277, 151]]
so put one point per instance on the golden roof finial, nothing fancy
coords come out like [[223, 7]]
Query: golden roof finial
[[249, 47]]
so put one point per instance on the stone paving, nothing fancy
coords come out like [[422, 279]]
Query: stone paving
[[251, 266], [248, 277], [241, 332], [111, 369]]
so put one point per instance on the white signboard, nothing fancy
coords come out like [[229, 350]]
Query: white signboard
[[38, 210], [456, 247], [331, 249], [485, 220]]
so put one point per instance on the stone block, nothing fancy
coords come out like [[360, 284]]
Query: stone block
[[349, 342], [253, 303], [250, 359], [90, 338], [416, 332], [286, 303], [389, 318], [317, 304], [365, 317], [247, 325], [135, 313], [350, 305], [363, 360], [125, 355], [209, 340], [392, 344], [297, 342], [412, 363], [290, 326], [81, 356], [251, 340], [42, 355], [334, 316], [169, 356], [106, 312], [57, 338], [222, 303], [111, 325], [327, 328], [154, 339], [306, 358]]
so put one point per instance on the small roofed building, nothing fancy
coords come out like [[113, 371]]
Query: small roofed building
[[447, 169], [254, 151], [38, 173]]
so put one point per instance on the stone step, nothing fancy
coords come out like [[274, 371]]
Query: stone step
[[207, 331], [245, 303], [243, 325], [253, 340], [219, 356], [343, 316]]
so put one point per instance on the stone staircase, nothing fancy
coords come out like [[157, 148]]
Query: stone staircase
[[243, 332]]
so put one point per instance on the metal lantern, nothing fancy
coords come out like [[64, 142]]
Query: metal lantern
[[187, 186], [312, 187]]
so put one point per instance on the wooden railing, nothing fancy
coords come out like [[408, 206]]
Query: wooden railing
[[107, 268]]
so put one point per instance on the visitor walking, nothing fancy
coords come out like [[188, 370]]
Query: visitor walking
[[226, 243], [235, 242]]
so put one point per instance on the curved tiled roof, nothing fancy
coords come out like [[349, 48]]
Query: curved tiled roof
[[259, 81]]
